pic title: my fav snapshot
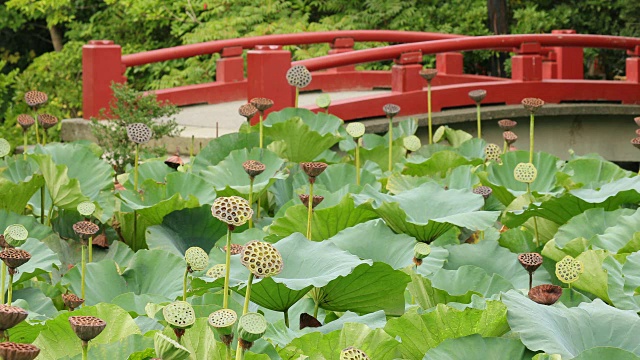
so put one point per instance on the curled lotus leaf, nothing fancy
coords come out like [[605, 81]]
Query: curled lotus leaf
[[355, 129], [167, 348], [5, 147], [196, 258], [568, 269], [179, 314], [525, 172]]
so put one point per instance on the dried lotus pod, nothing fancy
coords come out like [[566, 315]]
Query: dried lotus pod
[[25, 121], [507, 124], [636, 142], [14, 258], [86, 208], [509, 137], [532, 104], [15, 234], [222, 322], [530, 261], [492, 152], [262, 104], [420, 251], [139, 133], [428, 74], [17, 351], [638, 132], [47, 121], [525, 172], [251, 327], [217, 271], [247, 111], [299, 76], [235, 249], [85, 229], [317, 199], [232, 210], [411, 143], [313, 169], [3, 243], [87, 327], [637, 120], [485, 191], [72, 301], [35, 98], [568, 269], [478, 95], [166, 348], [196, 258], [545, 294], [261, 258], [179, 314], [174, 161], [5, 147], [352, 353], [101, 240], [391, 110], [11, 316], [253, 168], [355, 129]]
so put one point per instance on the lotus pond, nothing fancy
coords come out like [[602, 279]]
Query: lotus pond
[[425, 252]]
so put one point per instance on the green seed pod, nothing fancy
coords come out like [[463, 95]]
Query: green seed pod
[[568, 269], [525, 172], [196, 258], [222, 321], [217, 272], [352, 353], [5, 147], [355, 129], [16, 234], [232, 210], [411, 143], [492, 152], [179, 314], [261, 258], [421, 250], [86, 208], [169, 349], [251, 327], [323, 101]]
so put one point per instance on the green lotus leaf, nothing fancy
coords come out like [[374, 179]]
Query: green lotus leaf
[[229, 178], [69, 251], [606, 352], [154, 169], [116, 350], [320, 122], [420, 332], [623, 281], [200, 341], [103, 282], [428, 211], [454, 137], [468, 280], [379, 154], [135, 304], [5, 147], [43, 261], [334, 178], [476, 347], [64, 190], [589, 173], [59, 340], [217, 149], [15, 196], [35, 229], [397, 183], [438, 165], [39, 306], [570, 331], [427, 296], [624, 190]]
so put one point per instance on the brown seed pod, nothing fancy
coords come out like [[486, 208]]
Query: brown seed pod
[[477, 95], [17, 351], [507, 124], [235, 249], [636, 142], [253, 168], [532, 104], [84, 229], [261, 258], [299, 76], [391, 110], [530, 261], [139, 133], [248, 111], [262, 104], [232, 210], [638, 132], [637, 120], [14, 258], [11, 316], [313, 169], [510, 137], [35, 98], [485, 191], [545, 294], [428, 74], [25, 121], [87, 327], [72, 301], [47, 121], [317, 199], [3, 243]]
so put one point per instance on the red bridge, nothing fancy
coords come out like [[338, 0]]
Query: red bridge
[[549, 66]]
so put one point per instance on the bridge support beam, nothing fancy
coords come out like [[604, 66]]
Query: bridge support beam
[[527, 65], [267, 68], [570, 60], [101, 66], [633, 65], [339, 46], [449, 63], [230, 66], [405, 73]]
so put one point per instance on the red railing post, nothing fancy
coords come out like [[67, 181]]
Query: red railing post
[[633, 65], [405, 73], [527, 65], [570, 60], [267, 68], [449, 63], [339, 46], [101, 65], [230, 66], [549, 66]]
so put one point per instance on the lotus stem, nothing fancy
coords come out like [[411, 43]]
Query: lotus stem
[[286, 318], [36, 128], [505, 147], [41, 203], [531, 123], [251, 200], [225, 301], [530, 280], [3, 268], [479, 121], [310, 210], [239, 352], [247, 295], [50, 214], [228, 352], [10, 292], [390, 142], [184, 284], [261, 130], [429, 112], [358, 162], [295, 104], [259, 207], [135, 170], [90, 247], [315, 308], [84, 270], [191, 149], [85, 350], [44, 136], [24, 146], [535, 220]]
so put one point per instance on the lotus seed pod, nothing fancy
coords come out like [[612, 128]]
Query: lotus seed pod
[[323, 101], [317, 199], [47, 121], [391, 110], [235, 249], [421, 250], [485, 191], [16, 234], [530, 261], [262, 104], [525, 172], [17, 351], [638, 132], [352, 353], [3, 243], [5, 147], [196, 258], [232, 210], [86, 208], [261, 258], [477, 95], [355, 129], [14, 258], [87, 327], [492, 152], [174, 161], [299, 76], [428, 74], [35, 98], [84, 229], [313, 169], [72, 301], [168, 349], [507, 124], [217, 271], [11, 316], [546, 294], [411, 143], [532, 104], [247, 111], [253, 168], [179, 314], [139, 133], [251, 327], [509, 137], [637, 120], [568, 269], [222, 321], [25, 121], [636, 142]]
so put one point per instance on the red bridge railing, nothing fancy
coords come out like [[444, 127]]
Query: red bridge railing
[[549, 66]]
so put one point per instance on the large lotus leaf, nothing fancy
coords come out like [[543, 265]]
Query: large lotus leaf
[[397, 183], [326, 222], [428, 296], [608, 230], [42, 260], [116, 350], [591, 173], [421, 332], [606, 352], [462, 177], [335, 177], [557, 209], [229, 178], [39, 306], [135, 303], [15, 196], [469, 279], [102, 282], [380, 154], [368, 288], [302, 272], [454, 137], [322, 123], [317, 346], [476, 347], [155, 272], [185, 228], [438, 165], [625, 190], [58, 340], [570, 331], [200, 341], [69, 251], [296, 141], [624, 281], [35, 229], [428, 211], [151, 169], [65, 191], [218, 148], [472, 149], [93, 173]]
